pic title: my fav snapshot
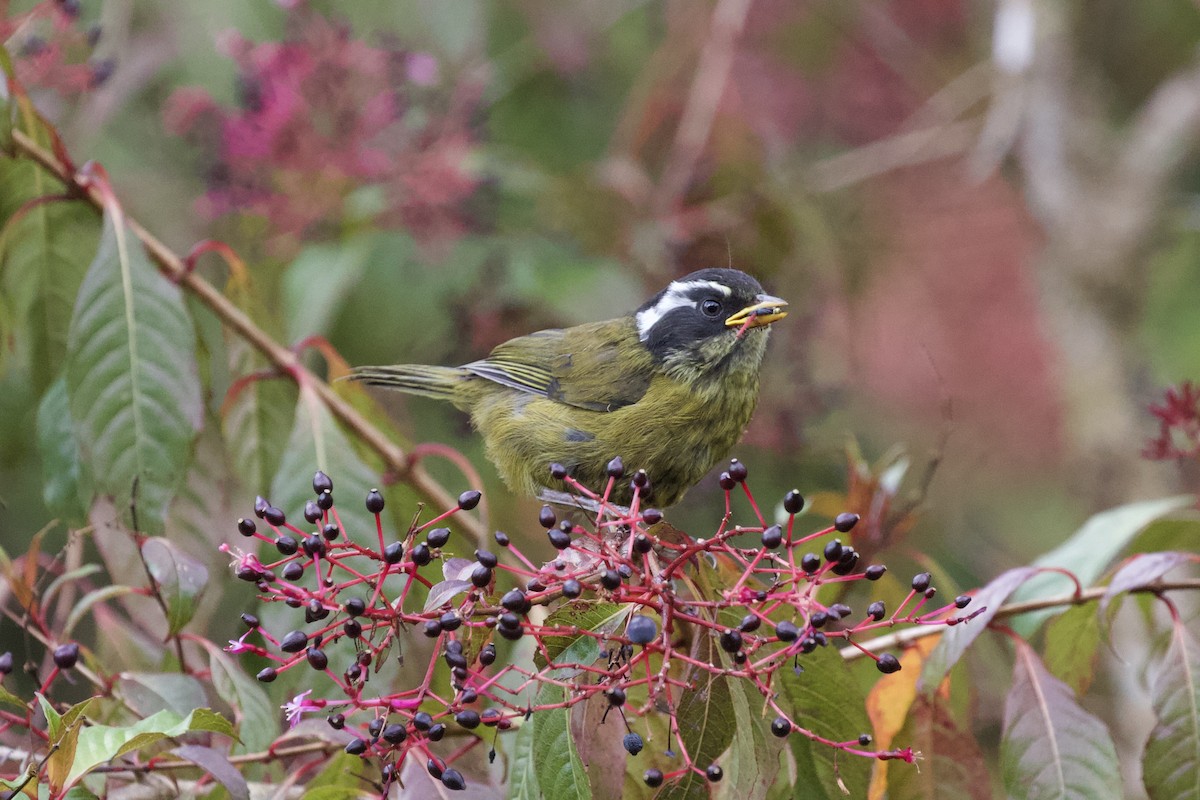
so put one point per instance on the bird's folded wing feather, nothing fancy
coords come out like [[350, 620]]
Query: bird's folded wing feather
[[582, 366]]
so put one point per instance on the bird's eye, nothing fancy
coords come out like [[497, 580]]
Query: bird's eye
[[711, 308]]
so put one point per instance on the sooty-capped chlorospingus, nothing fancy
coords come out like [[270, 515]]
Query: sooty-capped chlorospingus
[[668, 388]]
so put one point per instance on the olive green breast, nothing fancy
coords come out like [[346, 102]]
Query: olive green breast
[[677, 431]]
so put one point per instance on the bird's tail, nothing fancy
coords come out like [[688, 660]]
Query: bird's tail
[[435, 382]]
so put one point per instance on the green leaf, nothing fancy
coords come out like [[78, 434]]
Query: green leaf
[[827, 700], [955, 641], [9, 699], [1171, 766], [85, 604], [952, 766], [753, 763], [131, 377], [522, 765], [257, 419], [65, 487], [316, 443], [1072, 642], [98, 744], [318, 282], [180, 579], [44, 256], [150, 692], [706, 723], [560, 771], [1051, 748], [579, 648], [1089, 552], [256, 716], [341, 776]]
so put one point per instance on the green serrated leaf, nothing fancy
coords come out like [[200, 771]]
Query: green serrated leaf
[[316, 443], [341, 774], [180, 579], [1051, 748], [131, 377], [257, 419], [318, 282], [560, 771], [1089, 552], [522, 765], [1171, 766], [1072, 642], [753, 763], [44, 255], [257, 718], [706, 723], [825, 699], [65, 487], [98, 744], [579, 648]]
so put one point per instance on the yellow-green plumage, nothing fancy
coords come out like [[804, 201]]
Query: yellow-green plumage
[[582, 395]]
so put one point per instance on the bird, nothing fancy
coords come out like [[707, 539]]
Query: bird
[[668, 388]]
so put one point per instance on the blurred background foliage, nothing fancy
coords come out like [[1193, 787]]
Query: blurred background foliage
[[984, 216]]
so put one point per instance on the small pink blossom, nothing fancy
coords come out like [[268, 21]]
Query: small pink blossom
[[299, 705]]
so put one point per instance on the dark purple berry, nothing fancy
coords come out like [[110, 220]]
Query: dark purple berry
[[453, 780], [357, 747], [312, 512], [432, 628], [840, 610], [810, 563], [559, 539], [468, 719], [286, 545], [818, 619], [322, 483], [374, 501], [558, 471], [610, 579], [515, 600], [395, 733], [66, 655], [887, 664], [487, 655], [652, 516], [501, 538], [616, 696], [641, 629], [633, 743], [833, 551], [920, 581], [772, 537], [750, 623], [436, 733], [355, 606], [786, 631], [394, 553], [864, 739], [352, 628], [731, 640], [246, 527], [336, 721], [547, 518], [615, 468], [487, 558], [317, 658], [875, 572], [714, 773], [481, 576], [640, 480], [793, 502], [266, 674], [260, 507], [421, 555], [845, 522], [726, 481], [249, 620], [642, 543], [962, 601], [325, 501], [274, 516], [780, 727], [877, 610], [652, 777], [438, 537], [293, 642], [469, 499], [737, 470], [293, 571], [314, 546], [422, 721], [572, 588]]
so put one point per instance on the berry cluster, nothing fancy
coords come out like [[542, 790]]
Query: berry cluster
[[625, 559]]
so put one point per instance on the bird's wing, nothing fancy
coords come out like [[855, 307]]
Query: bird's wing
[[581, 366]]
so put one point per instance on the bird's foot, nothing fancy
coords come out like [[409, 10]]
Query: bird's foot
[[588, 504]]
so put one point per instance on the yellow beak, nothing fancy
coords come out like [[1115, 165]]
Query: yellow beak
[[768, 309]]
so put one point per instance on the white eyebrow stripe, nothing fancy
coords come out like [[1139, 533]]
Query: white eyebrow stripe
[[675, 297]]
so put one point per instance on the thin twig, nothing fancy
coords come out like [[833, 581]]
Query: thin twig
[[171, 264], [908, 635]]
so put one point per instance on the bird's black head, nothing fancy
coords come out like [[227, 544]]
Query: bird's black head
[[701, 319]]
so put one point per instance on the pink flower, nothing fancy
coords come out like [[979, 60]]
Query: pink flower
[[295, 708]]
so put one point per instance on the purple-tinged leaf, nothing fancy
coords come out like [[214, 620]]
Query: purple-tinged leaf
[[444, 592], [1142, 569], [217, 765], [1051, 748], [1171, 767], [957, 639]]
